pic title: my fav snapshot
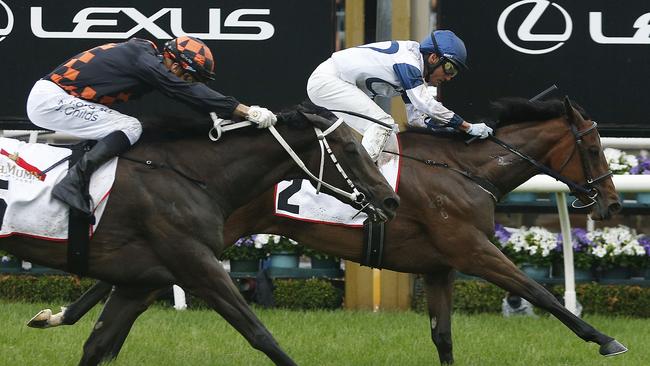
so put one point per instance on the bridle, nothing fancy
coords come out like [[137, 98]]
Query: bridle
[[355, 196], [590, 183], [589, 188]]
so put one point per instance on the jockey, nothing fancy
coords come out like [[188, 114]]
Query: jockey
[[75, 98], [352, 77]]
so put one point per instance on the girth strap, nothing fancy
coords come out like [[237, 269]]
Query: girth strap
[[373, 243]]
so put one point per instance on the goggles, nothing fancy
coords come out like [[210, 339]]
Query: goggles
[[449, 68]]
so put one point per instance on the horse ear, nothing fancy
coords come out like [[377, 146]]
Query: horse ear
[[569, 110]]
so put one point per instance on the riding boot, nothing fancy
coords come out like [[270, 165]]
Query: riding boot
[[374, 140], [74, 188]]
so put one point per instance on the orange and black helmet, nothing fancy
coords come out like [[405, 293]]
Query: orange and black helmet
[[192, 55]]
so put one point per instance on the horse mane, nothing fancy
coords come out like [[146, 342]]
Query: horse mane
[[510, 111]]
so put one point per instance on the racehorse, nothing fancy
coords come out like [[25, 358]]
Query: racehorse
[[445, 218], [165, 216]]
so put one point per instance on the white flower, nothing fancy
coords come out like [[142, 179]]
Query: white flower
[[261, 239], [600, 252], [619, 161], [612, 154], [534, 241], [616, 241]]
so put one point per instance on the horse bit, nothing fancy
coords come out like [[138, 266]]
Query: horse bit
[[221, 125]]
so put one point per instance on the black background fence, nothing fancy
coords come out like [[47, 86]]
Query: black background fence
[[603, 65], [264, 49]]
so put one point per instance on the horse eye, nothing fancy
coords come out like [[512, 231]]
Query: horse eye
[[594, 151]]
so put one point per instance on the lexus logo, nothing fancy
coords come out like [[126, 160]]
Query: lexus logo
[[10, 22], [524, 32]]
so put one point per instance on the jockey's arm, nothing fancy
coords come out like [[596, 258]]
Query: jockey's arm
[[203, 98], [417, 94]]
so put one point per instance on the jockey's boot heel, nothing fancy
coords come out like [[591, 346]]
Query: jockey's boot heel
[[73, 188]]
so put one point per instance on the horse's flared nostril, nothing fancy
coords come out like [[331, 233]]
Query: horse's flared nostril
[[391, 203]]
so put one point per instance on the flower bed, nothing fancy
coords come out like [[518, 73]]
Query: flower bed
[[603, 250]]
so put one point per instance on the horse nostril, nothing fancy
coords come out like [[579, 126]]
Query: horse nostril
[[391, 203], [614, 208]]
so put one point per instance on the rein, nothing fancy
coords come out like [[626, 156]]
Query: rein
[[588, 188], [221, 125], [355, 196], [485, 184]]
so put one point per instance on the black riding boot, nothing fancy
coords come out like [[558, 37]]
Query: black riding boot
[[73, 189]]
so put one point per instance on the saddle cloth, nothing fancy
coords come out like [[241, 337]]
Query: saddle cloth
[[297, 199], [26, 203]]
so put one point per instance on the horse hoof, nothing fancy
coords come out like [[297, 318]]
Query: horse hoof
[[612, 348], [41, 319]]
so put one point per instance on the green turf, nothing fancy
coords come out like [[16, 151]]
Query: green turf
[[164, 337]]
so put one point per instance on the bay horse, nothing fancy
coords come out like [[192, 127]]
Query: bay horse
[[164, 221], [445, 220]]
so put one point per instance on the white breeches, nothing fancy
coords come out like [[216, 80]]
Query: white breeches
[[50, 107], [327, 90]]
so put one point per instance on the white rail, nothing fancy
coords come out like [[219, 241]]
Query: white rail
[[623, 183], [544, 183]]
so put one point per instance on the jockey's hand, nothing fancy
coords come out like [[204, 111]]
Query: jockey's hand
[[262, 116], [479, 129]]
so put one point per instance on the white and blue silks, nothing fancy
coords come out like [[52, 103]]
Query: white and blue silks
[[352, 77]]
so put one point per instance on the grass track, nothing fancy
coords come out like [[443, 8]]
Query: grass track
[[163, 336]]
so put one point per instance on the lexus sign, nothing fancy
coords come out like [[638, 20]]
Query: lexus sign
[[9, 20], [264, 49], [596, 51]]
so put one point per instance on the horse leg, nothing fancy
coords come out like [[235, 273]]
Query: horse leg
[[71, 313], [122, 308], [438, 288], [489, 263], [199, 272]]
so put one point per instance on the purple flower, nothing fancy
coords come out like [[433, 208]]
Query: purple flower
[[579, 239], [246, 241], [644, 241], [643, 167], [501, 233]]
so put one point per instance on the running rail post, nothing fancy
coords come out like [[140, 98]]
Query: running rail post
[[567, 252]]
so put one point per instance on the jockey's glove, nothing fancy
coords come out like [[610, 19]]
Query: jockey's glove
[[262, 116], [480, 129]]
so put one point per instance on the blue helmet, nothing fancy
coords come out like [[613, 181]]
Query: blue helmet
[[445, 43]]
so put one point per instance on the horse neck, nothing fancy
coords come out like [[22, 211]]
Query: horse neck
[[242, 165], [537, 140]]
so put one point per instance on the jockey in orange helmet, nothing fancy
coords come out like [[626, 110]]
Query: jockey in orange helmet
[[75, 98]]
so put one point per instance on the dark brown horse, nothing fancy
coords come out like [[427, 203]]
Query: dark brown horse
[[445, 220], [164, 226]]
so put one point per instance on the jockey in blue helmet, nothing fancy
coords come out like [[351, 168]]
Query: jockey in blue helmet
[[351, 79], [449, 52]]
